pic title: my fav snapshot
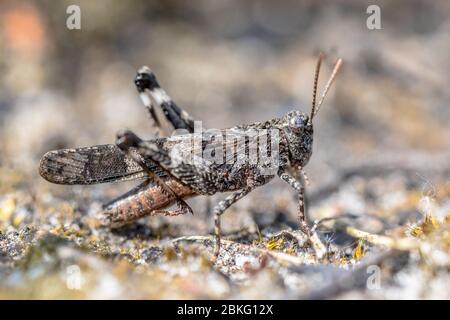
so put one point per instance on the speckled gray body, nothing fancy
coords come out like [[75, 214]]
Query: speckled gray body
[[206, 162]]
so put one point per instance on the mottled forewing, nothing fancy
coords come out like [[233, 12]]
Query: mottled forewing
[[88, 165]]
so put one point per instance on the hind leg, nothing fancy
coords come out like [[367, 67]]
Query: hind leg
[[126, 141], [152, 95]]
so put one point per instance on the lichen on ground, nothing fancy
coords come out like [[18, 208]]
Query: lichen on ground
[[51, 249]]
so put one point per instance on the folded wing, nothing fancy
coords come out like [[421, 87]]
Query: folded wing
[[88, 165]]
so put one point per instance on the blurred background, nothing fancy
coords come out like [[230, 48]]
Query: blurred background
[[227, 63]]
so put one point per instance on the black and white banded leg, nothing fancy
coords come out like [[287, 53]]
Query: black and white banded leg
[[150, 93], [153, 95], [317, 244], [220, 209]]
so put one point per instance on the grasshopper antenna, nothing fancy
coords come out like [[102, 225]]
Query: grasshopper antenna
[[315, 108], [316, 80]]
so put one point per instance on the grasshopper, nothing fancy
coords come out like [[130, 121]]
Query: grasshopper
[[175, 168]]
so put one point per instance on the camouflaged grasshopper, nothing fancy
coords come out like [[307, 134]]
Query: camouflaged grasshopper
[[175, 168]]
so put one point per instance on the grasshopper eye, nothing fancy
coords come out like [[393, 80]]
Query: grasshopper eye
[[298, 122]]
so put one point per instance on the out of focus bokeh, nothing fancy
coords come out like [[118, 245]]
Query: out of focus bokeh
[[379, 174]]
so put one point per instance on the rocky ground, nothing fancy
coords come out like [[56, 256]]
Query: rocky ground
[[379, 175]]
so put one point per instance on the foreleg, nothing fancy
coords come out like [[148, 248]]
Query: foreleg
[[311, 233]]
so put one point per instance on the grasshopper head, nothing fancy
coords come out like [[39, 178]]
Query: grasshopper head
[[298, 127], [298, 131]]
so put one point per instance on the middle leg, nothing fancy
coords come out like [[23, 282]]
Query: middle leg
[[219, 210]]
